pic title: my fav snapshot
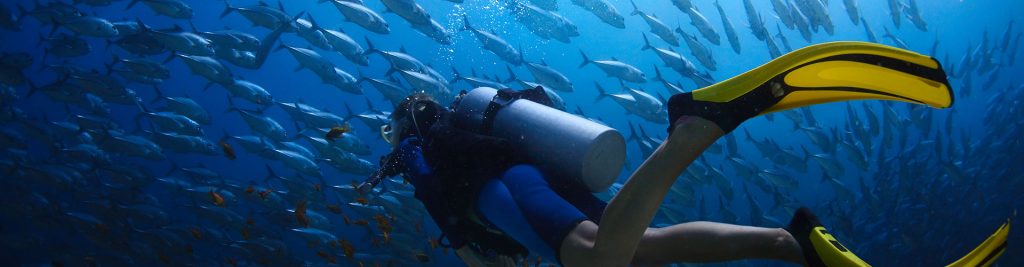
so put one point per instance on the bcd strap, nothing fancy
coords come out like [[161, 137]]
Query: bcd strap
[[505, 97]]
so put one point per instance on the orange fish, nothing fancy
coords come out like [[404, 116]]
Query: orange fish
[[317, 187], [326, 256], [348, 249], [217, 199], [264, 194], [334, 208], [101, 227], [336, 132], [196, 233], [300, 214], [432, 242], [250, 190], [362, 200], [361, 222], [345, 217], [229, 151], [250, 221], [245, 233]]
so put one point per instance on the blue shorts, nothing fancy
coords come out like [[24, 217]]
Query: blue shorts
[[537, 212]]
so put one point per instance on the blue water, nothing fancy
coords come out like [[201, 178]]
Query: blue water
[[930, 219]]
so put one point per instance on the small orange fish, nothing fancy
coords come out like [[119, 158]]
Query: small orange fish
[[317, 187], [432, 242], [102, 228], [245, 233], [217, 199], [361, 222], [250, 221], [362, 200], [336, 132], [300, 214], [229, 151], [327, 257], [264, 194], [250, 190], [334, 208], [345, 217], [348, 249], [196, 233]]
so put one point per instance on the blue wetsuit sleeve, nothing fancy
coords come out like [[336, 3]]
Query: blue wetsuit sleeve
[[430, 192]]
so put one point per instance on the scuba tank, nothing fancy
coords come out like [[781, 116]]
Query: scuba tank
[[558, 143]]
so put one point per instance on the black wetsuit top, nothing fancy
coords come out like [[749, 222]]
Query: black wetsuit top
[[462, 162]]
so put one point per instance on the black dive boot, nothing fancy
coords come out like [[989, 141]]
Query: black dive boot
[[819, 247]]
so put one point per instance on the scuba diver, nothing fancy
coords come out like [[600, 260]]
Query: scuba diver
[[483, 171]]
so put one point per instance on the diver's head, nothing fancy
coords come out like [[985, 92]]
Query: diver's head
[[412, 117]]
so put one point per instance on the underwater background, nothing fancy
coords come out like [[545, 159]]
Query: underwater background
[[89, 177]]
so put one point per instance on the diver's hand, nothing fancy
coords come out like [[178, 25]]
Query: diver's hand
[[408, 159]]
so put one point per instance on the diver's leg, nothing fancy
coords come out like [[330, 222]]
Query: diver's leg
[[496, 205], [711, 241], [523, 205], [631, 210]]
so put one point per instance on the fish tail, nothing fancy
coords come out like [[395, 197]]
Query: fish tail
[[636, 10], [174, 167], [360, 77], [657, 74], [586, 60], [231, 105], [370, 49], [227, 9], [465, 23], [601, 92], [350, 113], [522, 55], [22, 11], [133, 2], [226, 136], [511, 75], [632, 132], [456, 77], [647, 43], [270, 173], [159, 95], [32, 88]]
